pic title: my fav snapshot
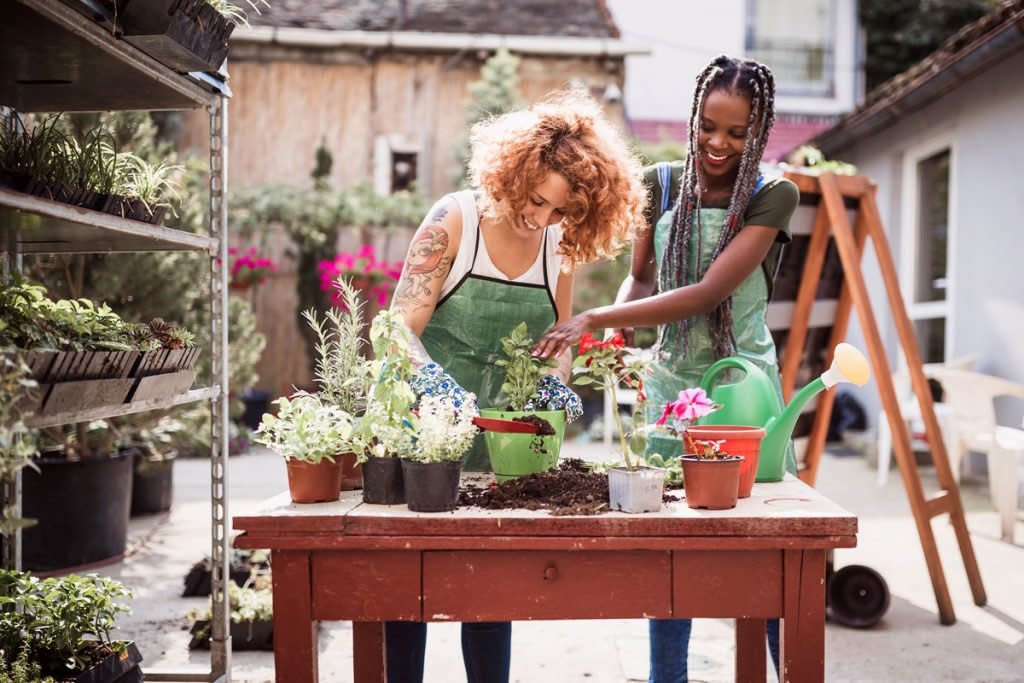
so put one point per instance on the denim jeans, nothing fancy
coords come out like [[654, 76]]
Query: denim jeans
[[670, 639], [486, 651]]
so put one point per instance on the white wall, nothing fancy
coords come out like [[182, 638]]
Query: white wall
[[685, 35], [983, 117]]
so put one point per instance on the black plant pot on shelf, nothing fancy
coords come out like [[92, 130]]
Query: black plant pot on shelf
[[245, 635], [82, 509], [115, 668]]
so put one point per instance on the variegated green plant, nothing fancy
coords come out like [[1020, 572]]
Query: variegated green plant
[[305, 428]]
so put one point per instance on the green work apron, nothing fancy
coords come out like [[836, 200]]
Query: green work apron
[[464, 334], [750, 329]]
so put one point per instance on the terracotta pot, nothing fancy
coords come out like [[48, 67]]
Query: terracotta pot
[[711, 484], [738, 440], [382, 481], [313, 483], [351, 472], [431, 486]]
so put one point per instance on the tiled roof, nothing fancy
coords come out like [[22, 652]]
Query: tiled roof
[[576, 18], [790, 131], [920, 84]]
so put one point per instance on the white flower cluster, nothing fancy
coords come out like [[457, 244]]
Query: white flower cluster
[[443, 432]]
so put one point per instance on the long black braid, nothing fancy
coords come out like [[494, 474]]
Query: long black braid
[[754, 80]]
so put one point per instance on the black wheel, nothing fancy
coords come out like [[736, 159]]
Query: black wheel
[[857, 596]]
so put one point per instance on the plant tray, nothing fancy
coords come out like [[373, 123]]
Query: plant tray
[[161, 386], [115, 669], [246, 635], [165, 360], [186, 35], [78, 365], [81, 394]]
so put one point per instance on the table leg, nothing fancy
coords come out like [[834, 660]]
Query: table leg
[[750, 657], [295, 631], [368, 663], [803, 617]]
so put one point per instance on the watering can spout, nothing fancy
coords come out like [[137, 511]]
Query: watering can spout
[[848, 365]]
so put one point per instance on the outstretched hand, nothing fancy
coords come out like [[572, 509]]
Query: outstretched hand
[[560, 337]]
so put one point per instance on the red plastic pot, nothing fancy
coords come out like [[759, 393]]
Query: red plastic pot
[[737, 440]]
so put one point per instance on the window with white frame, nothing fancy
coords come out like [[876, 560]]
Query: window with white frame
[[797, 40], [927, 210]]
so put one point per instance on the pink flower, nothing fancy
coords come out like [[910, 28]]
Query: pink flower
[[690, 405]]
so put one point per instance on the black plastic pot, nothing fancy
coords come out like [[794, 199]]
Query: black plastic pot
[[152, 483], [856, 596], [431, 486], [82, 510], [382, 481]]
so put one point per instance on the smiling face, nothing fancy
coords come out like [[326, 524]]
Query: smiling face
[[545, 205], [723, 134]]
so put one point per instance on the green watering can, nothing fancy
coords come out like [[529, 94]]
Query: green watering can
[[753, 402]]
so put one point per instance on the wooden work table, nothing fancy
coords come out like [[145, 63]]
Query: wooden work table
[[347, 560]]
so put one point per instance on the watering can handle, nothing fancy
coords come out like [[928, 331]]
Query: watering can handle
[[724, 364]]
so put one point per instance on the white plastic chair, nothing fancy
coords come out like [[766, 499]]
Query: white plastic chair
[[911, 413], [973, 428]]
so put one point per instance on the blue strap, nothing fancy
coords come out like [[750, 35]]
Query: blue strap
[[761, 181], [665, 181]]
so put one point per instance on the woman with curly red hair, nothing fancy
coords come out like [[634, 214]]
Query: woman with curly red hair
[[554, 186]]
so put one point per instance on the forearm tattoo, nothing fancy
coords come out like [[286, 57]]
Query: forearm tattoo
[[426, 266]]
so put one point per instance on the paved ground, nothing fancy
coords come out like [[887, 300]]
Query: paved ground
[[986, 645]]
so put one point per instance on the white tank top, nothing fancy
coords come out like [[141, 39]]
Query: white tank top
[[484, 267]]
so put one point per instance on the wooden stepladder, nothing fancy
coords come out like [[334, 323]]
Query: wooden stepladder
[[834, 195]]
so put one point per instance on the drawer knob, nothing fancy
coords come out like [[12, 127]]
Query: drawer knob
[[550, 572]]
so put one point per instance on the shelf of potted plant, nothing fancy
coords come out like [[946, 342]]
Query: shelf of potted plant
[[64, 56], [39, 225]]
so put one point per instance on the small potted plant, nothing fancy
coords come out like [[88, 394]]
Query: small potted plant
[[637, 487], [60, 628], [342, 371], [384, 433], [514, 454], [444, 433], [252, 620], [710, 475], [309, 433]]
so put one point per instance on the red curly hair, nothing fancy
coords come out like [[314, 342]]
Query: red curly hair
[[566, 133]]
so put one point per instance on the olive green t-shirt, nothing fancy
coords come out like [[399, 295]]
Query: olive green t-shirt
[[772, 206]]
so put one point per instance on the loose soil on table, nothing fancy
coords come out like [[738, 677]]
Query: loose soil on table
[[572, 489]]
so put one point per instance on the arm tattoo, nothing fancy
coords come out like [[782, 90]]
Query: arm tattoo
[[425, 264]]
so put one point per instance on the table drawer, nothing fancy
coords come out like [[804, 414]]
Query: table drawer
[[727, 583], [487, 586], [374, 585]]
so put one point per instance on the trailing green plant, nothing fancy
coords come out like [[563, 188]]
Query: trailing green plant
[[342, 371], [154, 184], [523, 370], [66, 622]]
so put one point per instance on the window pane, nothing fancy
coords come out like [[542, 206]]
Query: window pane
[[931, 338], [932, 228], [795, 43]]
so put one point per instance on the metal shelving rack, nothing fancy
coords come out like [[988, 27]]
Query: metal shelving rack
[[62, 56]]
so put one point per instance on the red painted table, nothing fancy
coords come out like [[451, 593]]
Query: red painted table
[[370, 563]]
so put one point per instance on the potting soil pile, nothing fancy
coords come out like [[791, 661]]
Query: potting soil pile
[[570, 490]]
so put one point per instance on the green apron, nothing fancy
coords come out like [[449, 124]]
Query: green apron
[[750, 328], [464, 334]]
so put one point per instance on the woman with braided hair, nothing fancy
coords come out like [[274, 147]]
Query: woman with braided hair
[[712, 259], [554, 186]]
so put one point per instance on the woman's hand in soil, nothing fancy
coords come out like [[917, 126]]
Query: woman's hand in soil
[[563, 335]]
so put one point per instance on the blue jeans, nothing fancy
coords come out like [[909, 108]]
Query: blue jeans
[[486, 651], [670, 639]]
